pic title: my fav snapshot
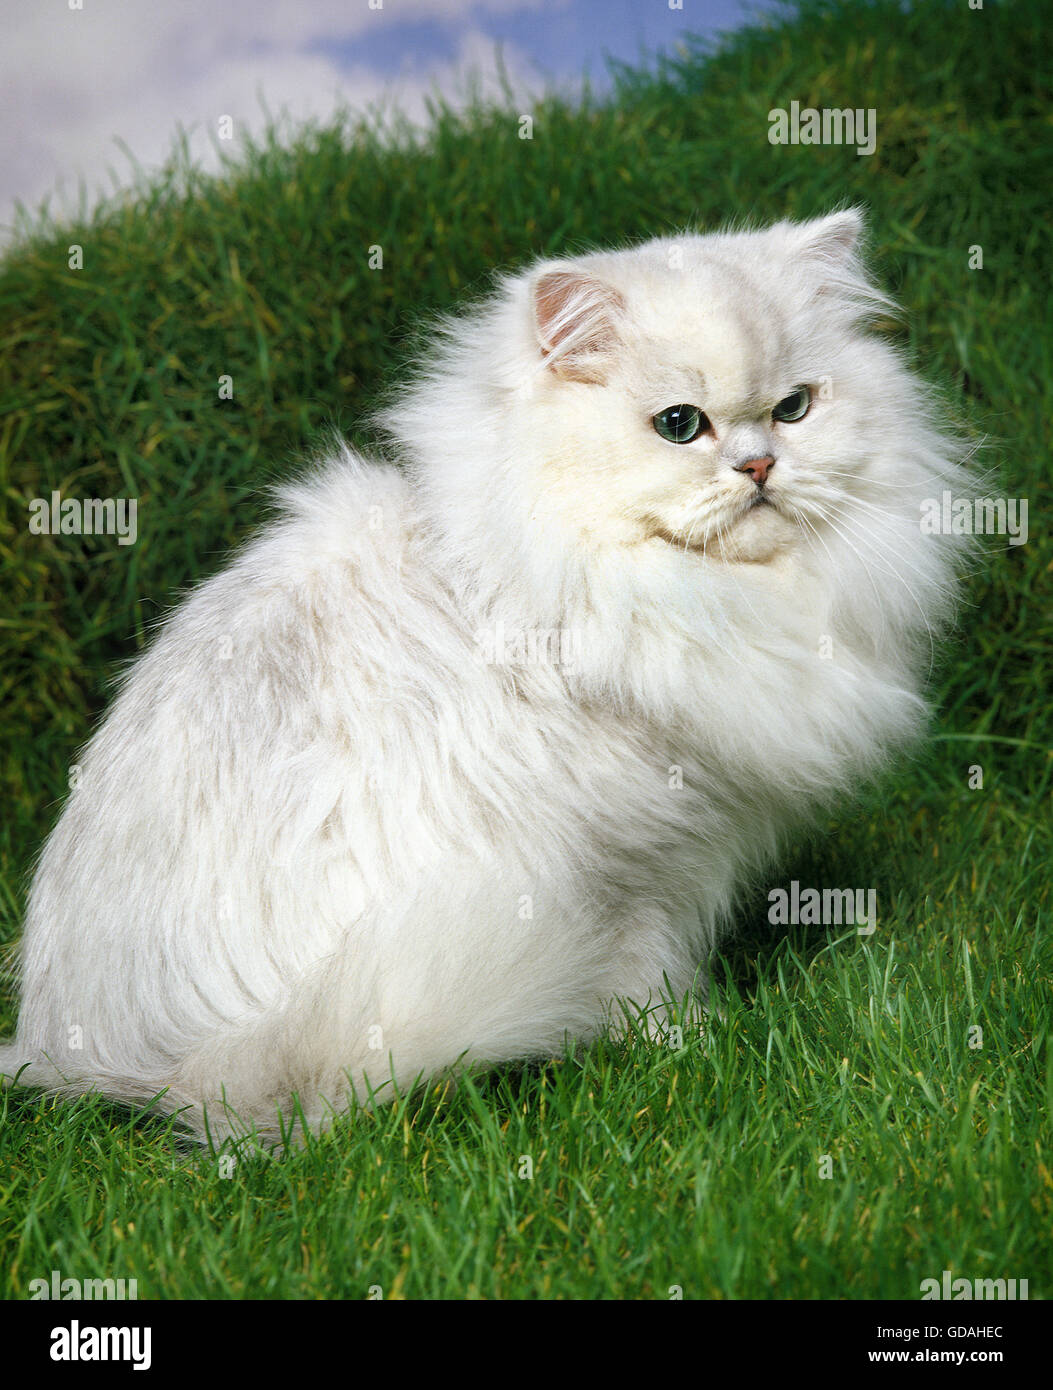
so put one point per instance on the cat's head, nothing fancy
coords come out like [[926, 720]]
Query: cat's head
[[678, 419], [712, 393]]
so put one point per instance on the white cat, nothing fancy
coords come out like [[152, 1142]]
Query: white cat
[[459, 753]]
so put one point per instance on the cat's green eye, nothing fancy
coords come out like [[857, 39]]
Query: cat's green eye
[[794, 406], [680, 424]]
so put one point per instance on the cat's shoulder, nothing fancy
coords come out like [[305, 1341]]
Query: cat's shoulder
[[346, 504], [341, 531], [346, 514]]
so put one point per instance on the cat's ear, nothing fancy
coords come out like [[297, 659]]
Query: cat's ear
[[830, 240], [828, 250], [575, 319]]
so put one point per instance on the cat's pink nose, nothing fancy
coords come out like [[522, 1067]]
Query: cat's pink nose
[[758, 469]]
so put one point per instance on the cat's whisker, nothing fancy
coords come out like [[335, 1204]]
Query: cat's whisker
[[880, 511], [866, 481], [806, 520], [843, 514], [859, 539]]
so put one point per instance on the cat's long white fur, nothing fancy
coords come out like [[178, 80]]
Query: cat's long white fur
[[339, 828]]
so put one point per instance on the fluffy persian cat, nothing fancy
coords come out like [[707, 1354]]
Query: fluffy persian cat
[[469, 752]]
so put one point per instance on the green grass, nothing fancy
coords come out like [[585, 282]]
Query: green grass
[[652, 1168]]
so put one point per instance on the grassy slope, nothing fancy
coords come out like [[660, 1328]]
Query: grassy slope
[[651, 1168]]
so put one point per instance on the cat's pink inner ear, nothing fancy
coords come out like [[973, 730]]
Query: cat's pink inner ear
[[574, 314]]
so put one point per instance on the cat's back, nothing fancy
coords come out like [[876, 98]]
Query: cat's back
[[316, 601], [240, 785]]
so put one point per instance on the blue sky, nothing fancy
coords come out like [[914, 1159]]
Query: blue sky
[[562, 40], [79, 79]]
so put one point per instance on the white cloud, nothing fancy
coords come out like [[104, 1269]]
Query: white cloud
[[72, 80]]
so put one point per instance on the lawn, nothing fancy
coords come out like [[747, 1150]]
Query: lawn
[[870, 1110]]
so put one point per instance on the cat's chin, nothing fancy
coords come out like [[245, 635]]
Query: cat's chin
[[759, 534]]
